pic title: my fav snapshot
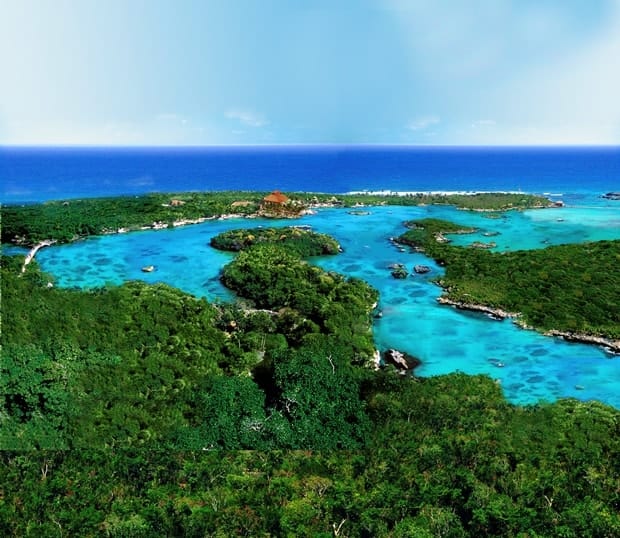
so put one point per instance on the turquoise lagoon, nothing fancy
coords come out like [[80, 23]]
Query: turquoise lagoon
[[535, 368]]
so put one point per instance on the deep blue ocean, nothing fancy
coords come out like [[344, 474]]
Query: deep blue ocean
[[37, 174]]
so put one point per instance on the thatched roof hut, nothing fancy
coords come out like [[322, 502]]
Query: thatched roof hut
[[276, 198]]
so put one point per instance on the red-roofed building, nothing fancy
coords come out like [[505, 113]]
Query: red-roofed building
[[276, 198]]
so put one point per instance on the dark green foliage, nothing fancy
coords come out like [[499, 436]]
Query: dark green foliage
[[566, 287], [318, 399], [229, 414], [65, 221], [303, 242], [446, 456], [572, 288], [315, 301], [424, 232], [102, 368]]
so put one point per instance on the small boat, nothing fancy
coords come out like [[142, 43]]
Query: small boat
[[148, 269]]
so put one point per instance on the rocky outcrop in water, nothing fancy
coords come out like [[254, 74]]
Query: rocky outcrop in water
[[400, 273], [398, 270], [402, 361], [612, 196], [495, 313], [422, 269]]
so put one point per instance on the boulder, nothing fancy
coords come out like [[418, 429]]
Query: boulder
[[402, 361], [401, 272], [421, 269]]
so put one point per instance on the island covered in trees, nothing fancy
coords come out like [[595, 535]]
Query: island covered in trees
[[127, 410]]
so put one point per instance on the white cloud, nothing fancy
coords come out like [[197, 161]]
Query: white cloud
[[246, 117], [423, 122]]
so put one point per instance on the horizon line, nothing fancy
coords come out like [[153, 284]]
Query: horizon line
[[306, 145]]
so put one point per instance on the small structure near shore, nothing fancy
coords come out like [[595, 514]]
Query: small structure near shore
[[275, 200], [278, 205]]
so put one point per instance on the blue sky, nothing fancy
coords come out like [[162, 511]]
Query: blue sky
[[286, 71]]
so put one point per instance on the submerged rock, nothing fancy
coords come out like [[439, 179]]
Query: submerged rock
[[358, 213], [612, 196]]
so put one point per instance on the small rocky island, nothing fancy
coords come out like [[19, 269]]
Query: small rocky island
[[398, 270]]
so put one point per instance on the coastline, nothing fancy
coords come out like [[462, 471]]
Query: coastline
[[495, 313], [436, 193], [306, 205], [612, 346], [33, 251], [500, 314]]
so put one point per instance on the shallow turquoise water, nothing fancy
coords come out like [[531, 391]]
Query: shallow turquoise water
[[535, 367]]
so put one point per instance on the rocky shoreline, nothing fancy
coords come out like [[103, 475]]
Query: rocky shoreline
[[496, 313], [613, 346]]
